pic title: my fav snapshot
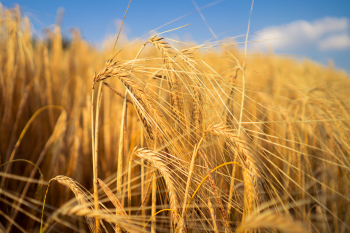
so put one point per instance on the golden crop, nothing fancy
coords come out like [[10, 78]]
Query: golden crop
[[168, 138]]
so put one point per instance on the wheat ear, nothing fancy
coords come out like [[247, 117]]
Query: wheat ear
[[271, 220], [174, 84], [81, 197], [213, 216], [253, 187], [212, 183], [141, 101], [154, 159], [118, 206], [191, 169]]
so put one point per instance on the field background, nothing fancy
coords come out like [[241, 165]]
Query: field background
[[295, 123]]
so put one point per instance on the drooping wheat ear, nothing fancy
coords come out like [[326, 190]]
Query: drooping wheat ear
[[212, 183], [196, 115], [142, 102], [146, 109], [157, 162], [213, 216], [195, 75], [145, 198], [229, 123], [162, 46], [272, 220], [253, 187], [337, 100], [188, 183], [107, 217], [230, 102], [172, 76], [175, 97], [118, 206], [81, 196], [117, 92], [115, 70]]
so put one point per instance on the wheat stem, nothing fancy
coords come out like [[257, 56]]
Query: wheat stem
[[95, 159]]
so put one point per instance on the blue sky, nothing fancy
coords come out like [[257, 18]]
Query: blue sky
[[316, 29]]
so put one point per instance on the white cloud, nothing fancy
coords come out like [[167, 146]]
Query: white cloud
[[323, 34], [340, 41]]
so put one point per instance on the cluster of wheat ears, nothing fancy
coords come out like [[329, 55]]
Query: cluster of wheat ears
[[198, 139]]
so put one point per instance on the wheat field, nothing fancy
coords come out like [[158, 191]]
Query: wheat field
[[168, 137]]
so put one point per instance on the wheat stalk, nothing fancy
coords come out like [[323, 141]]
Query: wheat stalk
[[95, 148], [154, 197]]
